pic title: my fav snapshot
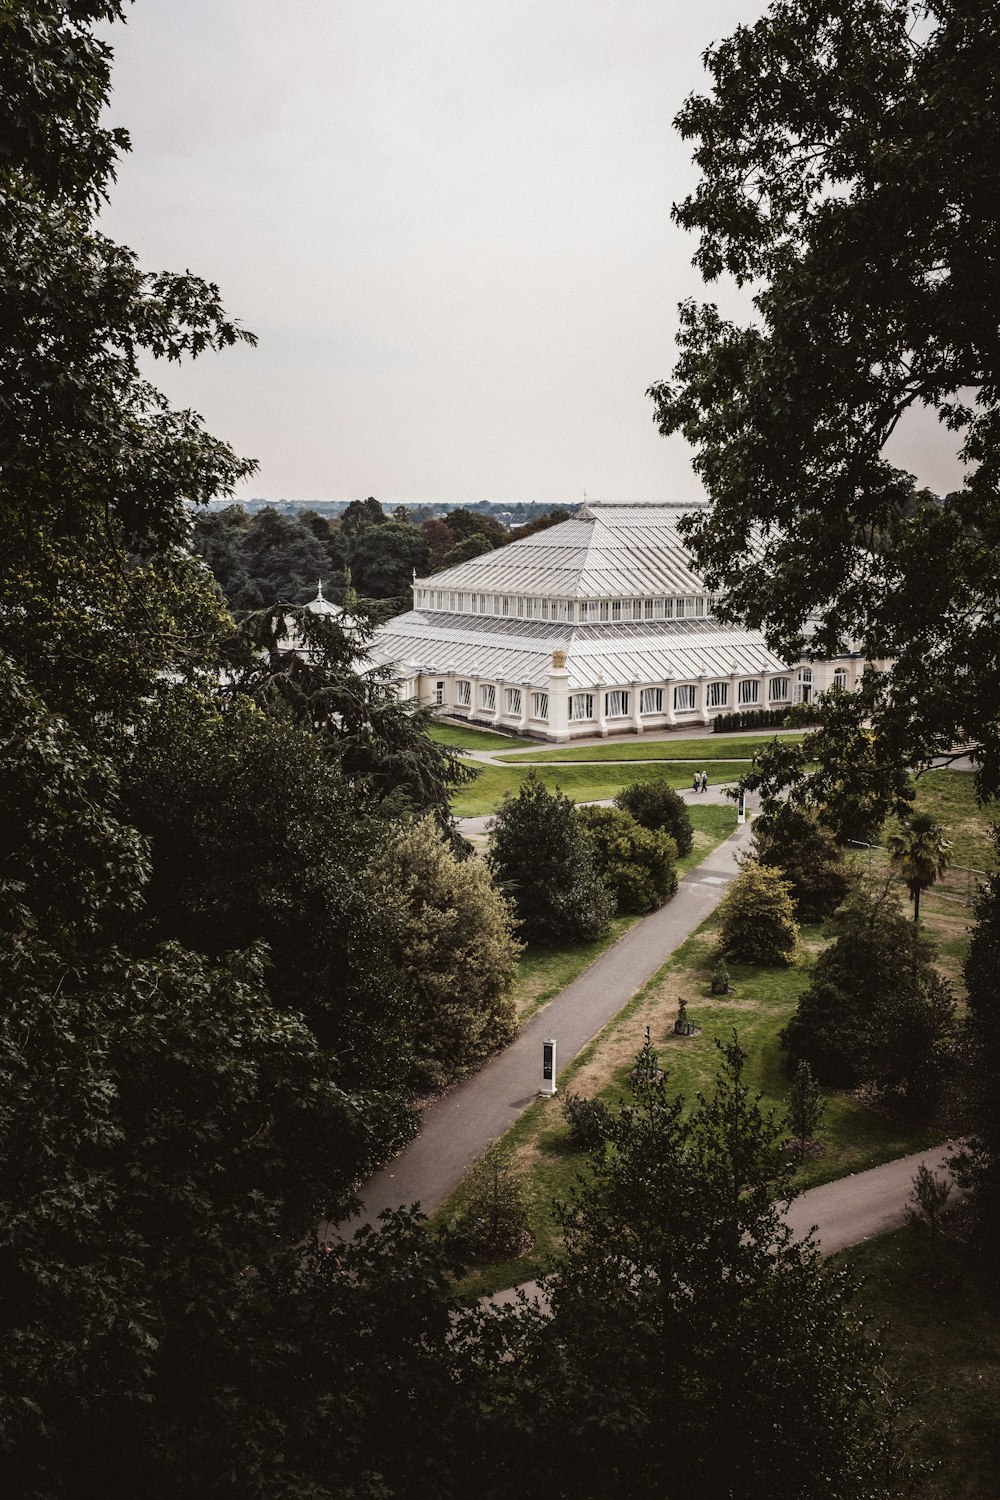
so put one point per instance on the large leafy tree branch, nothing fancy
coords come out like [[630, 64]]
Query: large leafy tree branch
[[846, 156]]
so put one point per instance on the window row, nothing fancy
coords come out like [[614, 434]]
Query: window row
[[583, 611], [617, 702]]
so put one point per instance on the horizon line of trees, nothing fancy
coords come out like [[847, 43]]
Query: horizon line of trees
[[271, 556]]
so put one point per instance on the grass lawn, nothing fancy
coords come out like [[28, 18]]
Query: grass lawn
[[459, 737], [580, 783], [942, 1342], [950, 798], [543, 972], [709, 747], [759, 1006]]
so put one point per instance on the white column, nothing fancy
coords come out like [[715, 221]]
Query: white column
[[706, 717], [525, 705], [636, 692], [602, 723], [558, 690]]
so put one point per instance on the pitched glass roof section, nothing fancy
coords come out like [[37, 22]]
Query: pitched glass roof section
[[518, 651], [606, 551]]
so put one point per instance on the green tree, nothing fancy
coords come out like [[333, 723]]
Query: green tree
[[757, 918], [454, 951], [694, 1348], [360, 516], [637, 865], [463, 523], [844, 154], [312, 668], [474, 545], [255, 836], [792, 840], [978, 1167], [659, 808], [805, 1107], [876, 1008], [921, 854], [384, 559], [542, 859], [493, 1222]]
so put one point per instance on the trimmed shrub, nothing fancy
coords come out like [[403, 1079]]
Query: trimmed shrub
[[639, 867], [544, 862], [656, 806], [757, 918], [493, 1223], [588, 1122]]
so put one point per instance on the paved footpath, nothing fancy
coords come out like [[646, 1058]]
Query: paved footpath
[[841, 1213], [458, 1128]]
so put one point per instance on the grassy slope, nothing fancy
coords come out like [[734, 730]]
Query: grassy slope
[[710, 747], [941, 1337], [581, 783], [459, 737]]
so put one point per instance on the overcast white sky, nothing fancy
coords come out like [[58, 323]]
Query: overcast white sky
[[448, 222]]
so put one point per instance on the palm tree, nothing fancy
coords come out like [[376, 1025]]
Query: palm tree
[[921, 854]]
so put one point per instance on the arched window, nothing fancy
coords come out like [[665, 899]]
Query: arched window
[[804, 685], [840, 679]]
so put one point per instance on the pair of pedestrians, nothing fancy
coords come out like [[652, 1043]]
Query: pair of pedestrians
[[699, 781]]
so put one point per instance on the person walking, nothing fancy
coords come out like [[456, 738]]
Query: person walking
[[696, 782], [704, 781]]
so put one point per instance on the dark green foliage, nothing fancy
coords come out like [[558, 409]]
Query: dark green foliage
[[360, 516], [979, 1165], [792, 840], [377, 739], [693, 1348], [588, 1121], [254, 835], [877, 1009], [757, 918], [805, 1106], [638, 866], [925, 1208], [921, 854], [269, 558], [463, 523], [748, 718], [469, 547], [845, 154], [656, 806], [383, 560], [493, 1222], [542, 858]]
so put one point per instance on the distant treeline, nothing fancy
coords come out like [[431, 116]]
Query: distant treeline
[[272, 555]]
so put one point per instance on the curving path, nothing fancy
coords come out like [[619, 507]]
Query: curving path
[[457, 1128]]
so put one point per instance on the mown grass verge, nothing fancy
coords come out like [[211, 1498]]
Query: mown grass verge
[[580, 783], [710, 747], [460, 737], [941, 1337]]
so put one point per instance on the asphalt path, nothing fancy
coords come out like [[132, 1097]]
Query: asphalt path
[[457, 1128], [838, 1214]]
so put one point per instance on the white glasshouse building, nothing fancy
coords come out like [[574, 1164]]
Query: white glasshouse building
[[597, 626]]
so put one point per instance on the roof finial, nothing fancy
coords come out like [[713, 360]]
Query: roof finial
[[319, 591]]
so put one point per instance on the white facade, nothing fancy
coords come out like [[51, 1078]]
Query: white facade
[[597, 626]]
